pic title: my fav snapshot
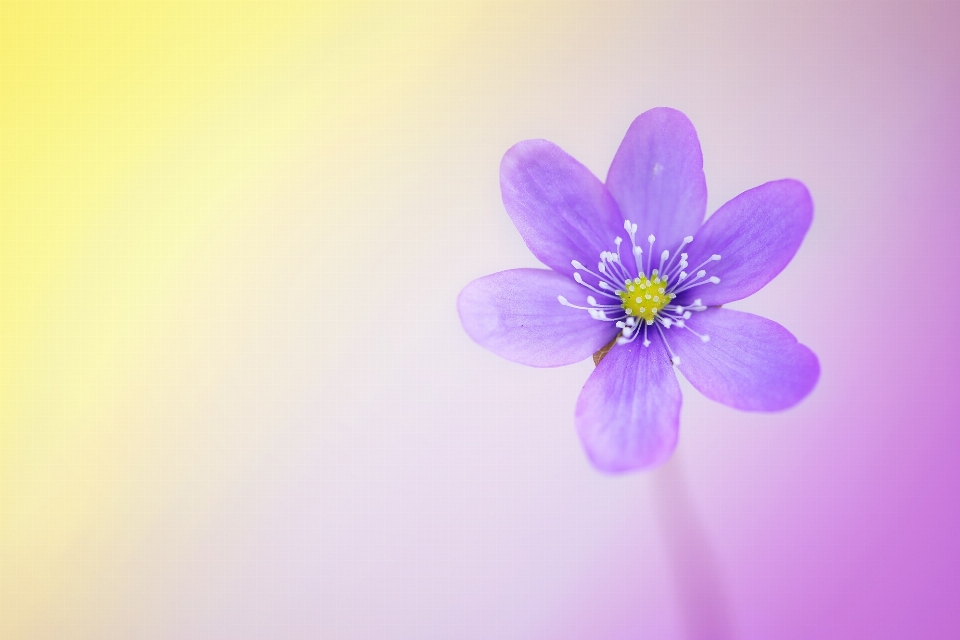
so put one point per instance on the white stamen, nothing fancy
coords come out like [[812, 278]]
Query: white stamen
[[661, 287]]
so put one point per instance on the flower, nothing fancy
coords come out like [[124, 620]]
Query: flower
[[638, 279]]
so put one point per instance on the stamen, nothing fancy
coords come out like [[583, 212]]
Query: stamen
[[602, 284], [651, 239], [642, 300], [712, 258], [704, 338], [674, 359], [683, 256]]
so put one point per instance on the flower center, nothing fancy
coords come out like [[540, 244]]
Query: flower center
[[639, 303], [644, 298]]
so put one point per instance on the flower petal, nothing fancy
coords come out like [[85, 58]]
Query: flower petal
[[562, 211], [628, 413], [756, 235], [657, 177], [516, 315], [749, 363]]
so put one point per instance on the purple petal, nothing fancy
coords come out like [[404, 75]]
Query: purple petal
[[516, 315], [628, 413], [749, 363], [756, 235], [562, 211], [657, 177]]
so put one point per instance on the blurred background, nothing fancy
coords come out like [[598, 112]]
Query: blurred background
[[235, 397]]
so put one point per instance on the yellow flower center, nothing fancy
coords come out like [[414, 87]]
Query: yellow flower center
[[644, 297]]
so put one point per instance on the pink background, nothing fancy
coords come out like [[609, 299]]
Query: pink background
[[275, 427]]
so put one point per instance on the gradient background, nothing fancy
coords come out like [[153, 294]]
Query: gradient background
[[235, 397]]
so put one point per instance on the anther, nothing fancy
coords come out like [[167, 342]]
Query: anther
[[577, 265]]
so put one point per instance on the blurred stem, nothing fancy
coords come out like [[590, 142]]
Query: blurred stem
[[703, 602]]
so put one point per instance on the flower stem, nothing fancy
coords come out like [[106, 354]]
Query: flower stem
[[698, 580]]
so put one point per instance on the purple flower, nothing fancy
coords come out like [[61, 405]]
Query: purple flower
[[637, 279]]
